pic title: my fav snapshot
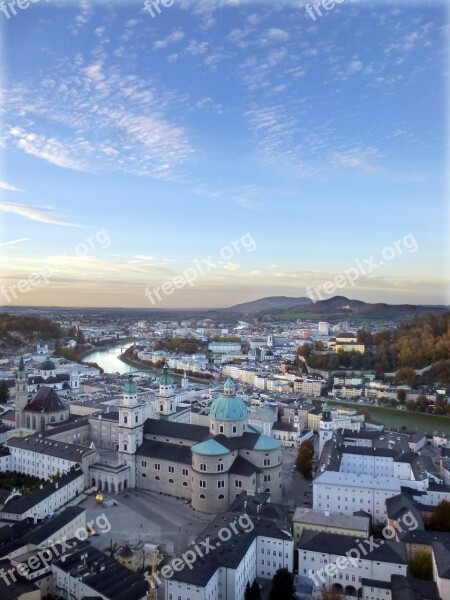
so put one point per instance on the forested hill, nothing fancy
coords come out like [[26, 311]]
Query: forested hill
[[18, 332]]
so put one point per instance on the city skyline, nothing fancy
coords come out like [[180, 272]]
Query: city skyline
[[275, 150]]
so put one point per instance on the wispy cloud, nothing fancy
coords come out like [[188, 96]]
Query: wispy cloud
[[14, 242], [8, 187], [42, 214]]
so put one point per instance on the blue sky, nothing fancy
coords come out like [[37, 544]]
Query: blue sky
[[323, 140]]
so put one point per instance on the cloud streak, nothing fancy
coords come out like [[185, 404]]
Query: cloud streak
[[41, 214]]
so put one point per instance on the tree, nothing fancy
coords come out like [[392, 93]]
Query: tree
[[303, 461], [421, 565], [440, 519], [255, 590], [422, 402], [80, 338], [401, 395], [282, 586], [406, 375], [4, 392], [252, 592], [248, 592]]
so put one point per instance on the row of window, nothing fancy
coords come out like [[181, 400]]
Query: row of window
[[170, 468]]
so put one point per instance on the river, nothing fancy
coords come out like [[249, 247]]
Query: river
[[108, 360]]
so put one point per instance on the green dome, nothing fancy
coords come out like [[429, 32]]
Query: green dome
[[165, 379], [130, 387], [229, 407]]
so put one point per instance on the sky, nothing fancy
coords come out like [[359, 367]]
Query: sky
[[222, 151]]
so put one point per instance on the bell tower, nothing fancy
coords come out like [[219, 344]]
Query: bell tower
[[326, 427], [131, 430], [165, 400], [21, 393]]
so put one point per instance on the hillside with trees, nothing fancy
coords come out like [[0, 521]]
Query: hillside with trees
[[19, 332], [415, 344]]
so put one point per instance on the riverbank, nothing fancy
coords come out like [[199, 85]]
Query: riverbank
[[143, 367], [392, 417]]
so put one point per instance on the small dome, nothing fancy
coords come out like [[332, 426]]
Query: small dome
[[165, 379], [229, 407], [47, 365], [130, 388]]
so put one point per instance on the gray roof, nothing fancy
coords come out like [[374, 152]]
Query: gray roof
[[243, 467], [442, 557], [68, 426], [102, 573], [21, 504], [333, 543], [312, 516], [50, 447], [409, 588], [229, 553], [280, 426], [398, 506], [17, 535], [165, 451], [196, 433]]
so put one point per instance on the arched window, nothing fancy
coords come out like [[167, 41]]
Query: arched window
[[202, 496], [170, 480], [157, 477], [220, 496], [125, 419]]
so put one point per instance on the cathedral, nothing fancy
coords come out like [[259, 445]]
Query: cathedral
[[207, 465]]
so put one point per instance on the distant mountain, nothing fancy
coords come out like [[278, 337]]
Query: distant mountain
[[269, 304], [335, 308], [340, 307]]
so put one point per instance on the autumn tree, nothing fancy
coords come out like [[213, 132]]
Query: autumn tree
[[406, 375], [303, 461], [331, 594], [422, 402], [421, 565]]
